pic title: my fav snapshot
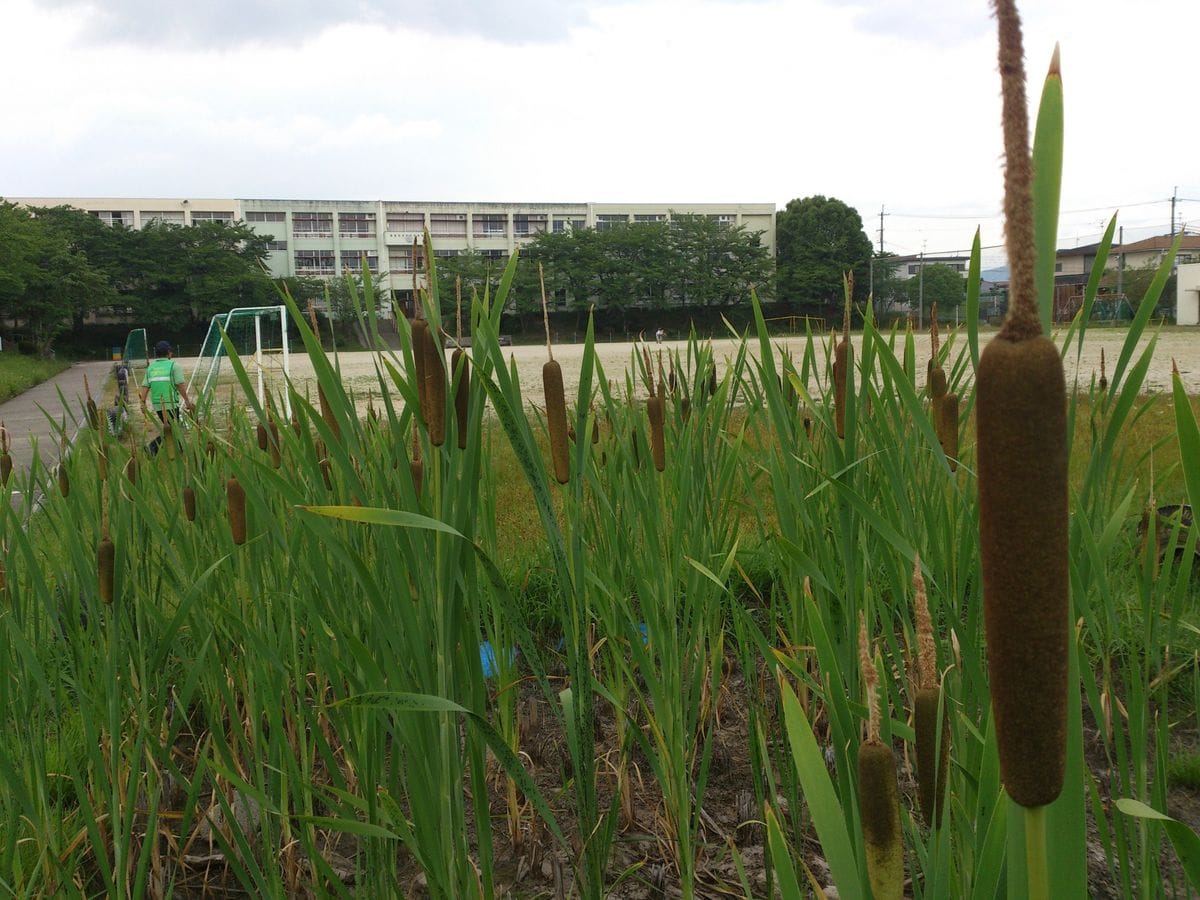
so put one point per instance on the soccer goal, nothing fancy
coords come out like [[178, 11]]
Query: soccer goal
[[259, 335], [136, 353]]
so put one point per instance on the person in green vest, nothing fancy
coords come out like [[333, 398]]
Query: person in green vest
[[164, 386]]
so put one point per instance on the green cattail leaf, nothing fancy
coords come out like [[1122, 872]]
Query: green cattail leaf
[[827, 815], [973, 275], [1189, 440], [1144, 312], [1185, 841], [789, 884], [378, 516], [1079, 325], [349, 826], [1047, 188]]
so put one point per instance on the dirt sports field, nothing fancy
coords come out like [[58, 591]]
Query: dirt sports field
[[1181, 345]]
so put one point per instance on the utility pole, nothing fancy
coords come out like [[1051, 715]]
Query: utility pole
[[1121, 262], [881, 229], [1174, 198]]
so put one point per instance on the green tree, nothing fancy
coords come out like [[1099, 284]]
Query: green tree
[[177, 274], [940, 284], [475, 273], [818, 240], [716, 265], [1135, 281], [44, 281], [885, 282], [689, 261]]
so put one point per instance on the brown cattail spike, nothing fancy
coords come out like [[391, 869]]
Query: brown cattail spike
[[189, 503], [878, 793], [327, 414], [106, 564], [1022, 472], [841, 364], [6, 460], [931, 723], [235, 495], [1103, 375], [556, 400], [416, 467], [93, 414], [556, 419], [655, 410], [420, 334], [945, 425], [435, 387]]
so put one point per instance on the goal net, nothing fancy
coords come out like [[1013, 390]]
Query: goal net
[[136, 353], [259, 336]]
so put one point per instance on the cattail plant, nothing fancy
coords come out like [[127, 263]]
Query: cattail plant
[[655, 411], [131, 464], [878, 791], [938, 385], [930, 720], [6, 460], [1022, 470], [327, 413], [1103, 375], [842, 360], [263, 438], [102, 460], [93, 413], [416, 467], [556, 400], [189, 503], [235, 496], [434, 373], [106, 553], [64, 477]]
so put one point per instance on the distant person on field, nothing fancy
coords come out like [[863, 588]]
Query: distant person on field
[[659, 335], [163, 385], [123, 381]]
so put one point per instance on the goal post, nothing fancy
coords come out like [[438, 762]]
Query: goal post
[[259, 337], [136, 351]]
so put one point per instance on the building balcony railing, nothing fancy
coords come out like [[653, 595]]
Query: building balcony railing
[[356, 235], [316, 270], [312, 234]]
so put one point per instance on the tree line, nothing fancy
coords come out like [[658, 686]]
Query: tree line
[[60, 265]]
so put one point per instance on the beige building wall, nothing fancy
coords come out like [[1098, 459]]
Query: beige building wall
[[1187, 298]]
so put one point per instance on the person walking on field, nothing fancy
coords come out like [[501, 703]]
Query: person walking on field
[[164, 386]]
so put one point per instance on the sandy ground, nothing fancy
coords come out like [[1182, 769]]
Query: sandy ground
[[358, 369]]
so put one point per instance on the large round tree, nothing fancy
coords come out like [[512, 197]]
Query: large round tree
[[819, 239]]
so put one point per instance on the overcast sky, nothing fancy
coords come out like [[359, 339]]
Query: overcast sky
[[880, 103]]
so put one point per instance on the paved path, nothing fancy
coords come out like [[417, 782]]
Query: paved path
[[27, 424]]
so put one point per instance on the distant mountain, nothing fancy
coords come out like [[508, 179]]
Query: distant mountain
[[1000, 273]]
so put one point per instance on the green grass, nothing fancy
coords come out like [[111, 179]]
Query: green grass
[[19, 373], [1184, 770]]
